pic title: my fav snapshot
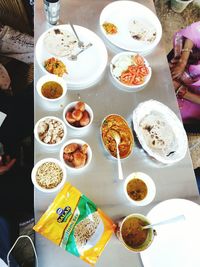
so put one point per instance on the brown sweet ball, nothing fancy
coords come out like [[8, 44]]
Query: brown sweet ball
[[68, 157], [79, 159], [69, 117], [85, 119], [80, 106], [71, 148], [77, 114], [84, 148]]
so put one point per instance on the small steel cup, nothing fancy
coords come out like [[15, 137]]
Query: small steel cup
[[147, 242]]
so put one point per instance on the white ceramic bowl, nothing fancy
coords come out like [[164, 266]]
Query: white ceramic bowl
[[72, 105], [34, 171], [37, 136], [80, 142], [129, 88], [48, 78], [151, 189]]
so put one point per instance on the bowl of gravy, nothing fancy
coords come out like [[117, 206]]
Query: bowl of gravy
[[51, 88], [132, 235], [139, 189]]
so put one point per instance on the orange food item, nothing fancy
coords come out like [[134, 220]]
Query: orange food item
[[117, 124], [80, 106], [69, 117], [85, 119], [136, 73], [78, 116], [55, 66], [110, 28], [75, 155]]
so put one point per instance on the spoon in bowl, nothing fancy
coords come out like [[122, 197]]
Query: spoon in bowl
[[171, 220], [117, 138]]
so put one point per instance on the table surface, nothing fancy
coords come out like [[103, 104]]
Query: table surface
[[99, 181]]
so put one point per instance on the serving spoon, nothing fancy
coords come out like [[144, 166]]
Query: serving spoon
[[168, 221], [117, 138]]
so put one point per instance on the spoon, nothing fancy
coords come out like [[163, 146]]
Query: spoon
[[75, 56], [171, 220], [80, 43], [117, 138]]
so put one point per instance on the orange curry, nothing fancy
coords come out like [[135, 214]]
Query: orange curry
[[116, 124]]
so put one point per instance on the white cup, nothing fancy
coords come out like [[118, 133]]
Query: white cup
[[151, 189]]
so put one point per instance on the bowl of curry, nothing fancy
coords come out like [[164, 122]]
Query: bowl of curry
[[116, 124], [51, 88], [139, 189]]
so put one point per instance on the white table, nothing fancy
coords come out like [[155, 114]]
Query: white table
[[99, 181]]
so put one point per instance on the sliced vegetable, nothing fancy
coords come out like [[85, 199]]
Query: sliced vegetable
[[135, 73]]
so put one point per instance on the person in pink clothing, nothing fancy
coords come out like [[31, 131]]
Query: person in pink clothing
[[185, 71]]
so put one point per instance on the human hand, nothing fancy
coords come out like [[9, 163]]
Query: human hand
[[7, 165], [176, 84], [178, 69]]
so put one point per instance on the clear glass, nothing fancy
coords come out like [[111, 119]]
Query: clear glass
[[52, 11]]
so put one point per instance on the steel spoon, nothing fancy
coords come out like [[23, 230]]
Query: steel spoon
[[80, 43], [75, 56], [171, 220], [117, 138]]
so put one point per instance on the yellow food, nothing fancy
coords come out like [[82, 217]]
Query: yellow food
[[110, 28], [55, 66], [115, 123]]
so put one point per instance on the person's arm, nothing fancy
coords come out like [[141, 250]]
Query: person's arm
[[7, 165], [192, 97], [183, 92], [179, 67]]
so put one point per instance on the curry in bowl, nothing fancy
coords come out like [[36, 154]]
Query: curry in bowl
[[112, 125]]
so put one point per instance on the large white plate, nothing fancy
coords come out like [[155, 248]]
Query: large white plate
[[176, 245], [90, 65], [180, 137], [121, 13]]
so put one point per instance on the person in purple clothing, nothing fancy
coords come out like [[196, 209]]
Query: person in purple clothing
[[184, 64]]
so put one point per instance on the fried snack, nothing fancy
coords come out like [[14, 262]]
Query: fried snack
[[74, 223], [49, 175], [86, 228], [75, 155]]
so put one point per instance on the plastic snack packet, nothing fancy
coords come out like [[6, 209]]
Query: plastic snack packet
[[74, 223]]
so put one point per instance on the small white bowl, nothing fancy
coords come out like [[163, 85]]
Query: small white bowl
[[34, 171], [80, 142], [71, 106], [48, 78], [37, 136], [129, 88], [151, 189]]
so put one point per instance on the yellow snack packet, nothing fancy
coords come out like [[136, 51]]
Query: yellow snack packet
[[74, 223]]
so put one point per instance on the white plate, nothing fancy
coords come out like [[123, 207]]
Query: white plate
[[180, 143], [121, 13], [91, 63], [176, 245]]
